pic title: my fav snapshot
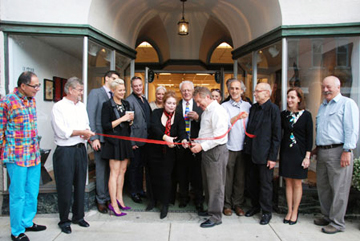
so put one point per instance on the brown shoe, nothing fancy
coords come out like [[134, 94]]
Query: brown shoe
[[239, 211], [227, 212], [321, 222], [330, 229], [102, 208]]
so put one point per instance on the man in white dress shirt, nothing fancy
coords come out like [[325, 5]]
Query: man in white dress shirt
[[214, 123], [70, 123]]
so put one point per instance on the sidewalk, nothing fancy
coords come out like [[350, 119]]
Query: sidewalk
[[143, 226]]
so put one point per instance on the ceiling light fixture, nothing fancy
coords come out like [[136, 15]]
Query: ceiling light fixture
[[183, 25]]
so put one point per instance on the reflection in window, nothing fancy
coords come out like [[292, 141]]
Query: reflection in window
[[342, 53], [317, 47]]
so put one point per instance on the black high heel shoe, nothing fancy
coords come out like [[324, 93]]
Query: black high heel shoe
[[286, 221], [164, 211], [294, 222]]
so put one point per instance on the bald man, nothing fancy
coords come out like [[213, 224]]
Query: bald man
[[337, 129], [264, 122]]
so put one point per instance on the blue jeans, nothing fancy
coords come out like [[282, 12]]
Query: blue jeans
[[23, 192]]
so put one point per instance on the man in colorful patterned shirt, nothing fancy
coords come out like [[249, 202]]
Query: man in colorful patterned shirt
[[19, 151]]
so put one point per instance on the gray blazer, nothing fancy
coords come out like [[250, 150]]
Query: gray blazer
[[95, 102], [139, 126]]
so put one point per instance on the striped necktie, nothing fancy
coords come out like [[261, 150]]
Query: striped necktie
[[187, 120]]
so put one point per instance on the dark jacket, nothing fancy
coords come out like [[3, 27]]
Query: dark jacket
[[265, 123], [195, 125]]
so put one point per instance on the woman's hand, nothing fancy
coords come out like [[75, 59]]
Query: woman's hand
[[306, 163], [169, 140], [185, 143]]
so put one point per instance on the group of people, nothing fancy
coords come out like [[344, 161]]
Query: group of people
[[218, 163]]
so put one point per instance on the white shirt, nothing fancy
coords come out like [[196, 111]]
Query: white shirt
[[107, 91], [66, 116], [191, 102], [214, 123]]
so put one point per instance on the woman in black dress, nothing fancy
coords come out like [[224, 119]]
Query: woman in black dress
[[116, 120], [166, 125], [296, 145]]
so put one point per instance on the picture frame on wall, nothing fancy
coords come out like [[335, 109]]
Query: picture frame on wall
[[48, 90], [59, 84]]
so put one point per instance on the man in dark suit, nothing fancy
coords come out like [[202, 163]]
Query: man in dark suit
[[264, 122], [139, 128], [94, 105], [188, 165]]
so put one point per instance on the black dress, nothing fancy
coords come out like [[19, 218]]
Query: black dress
[[115, 148], [162, 158], [293, 151]]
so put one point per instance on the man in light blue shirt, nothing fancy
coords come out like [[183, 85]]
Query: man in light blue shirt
[[235, 169], [337, 129]]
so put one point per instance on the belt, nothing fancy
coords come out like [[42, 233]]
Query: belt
[[79, 145], [330, 146]]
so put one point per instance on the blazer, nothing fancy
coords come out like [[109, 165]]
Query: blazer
[[139, 127], [195, 125], [265, 123], [96, 99], [108, 115]]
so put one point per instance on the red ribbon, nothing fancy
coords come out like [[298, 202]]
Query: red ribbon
[[137, 139]]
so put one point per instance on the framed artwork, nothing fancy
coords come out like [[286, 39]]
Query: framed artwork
[[59, 84], [48, 90]]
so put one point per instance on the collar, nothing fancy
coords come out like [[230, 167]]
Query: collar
[[190, 101], [335, 99], [70, 101], [236, 104], [21, 95], [211, 106], [264, 106], [143, 96], [106, 89]]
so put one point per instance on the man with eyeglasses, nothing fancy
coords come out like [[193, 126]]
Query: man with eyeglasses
[[70, 123], [262, 150], [96, 99], [20, 153]]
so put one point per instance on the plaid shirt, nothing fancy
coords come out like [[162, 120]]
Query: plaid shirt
[[18, 130]]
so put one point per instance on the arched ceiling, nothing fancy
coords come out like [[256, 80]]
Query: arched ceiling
[[211, 21]]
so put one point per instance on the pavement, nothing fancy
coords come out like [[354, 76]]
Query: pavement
[[181, 226]]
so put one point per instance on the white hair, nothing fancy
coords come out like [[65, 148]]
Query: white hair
[[187, 82], [160, 88]]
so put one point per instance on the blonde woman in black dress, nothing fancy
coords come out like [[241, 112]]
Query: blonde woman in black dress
[[296, 145], [116, 120]]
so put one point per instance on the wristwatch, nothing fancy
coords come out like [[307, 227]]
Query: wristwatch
[[347, 150]]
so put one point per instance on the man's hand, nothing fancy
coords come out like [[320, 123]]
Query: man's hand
[[193, 115], [96, 145], [241, 115], [134, 147], [196, 148], [86, 134], [345, 159], [270, 164]]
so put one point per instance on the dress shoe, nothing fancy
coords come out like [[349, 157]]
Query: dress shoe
[[142, 194], [321, 222], [164, 211], [239, 211], [21, 237], [102, 208], [35, 228], [182, 204], [252, 212], [66, 229], [227, 212], [136, 198], [286, 221], [265, 218], [294, 222], [112, 210], [150, 206], [208, 224], [203, 213], [330, 229], [82, 223]]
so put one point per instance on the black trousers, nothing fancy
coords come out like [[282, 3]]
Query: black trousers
[[188, 171], [70, 165], [135, 170], [259, 185]]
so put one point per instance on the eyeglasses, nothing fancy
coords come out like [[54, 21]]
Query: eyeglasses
[[37, 87], [217, 90], [259, 91]]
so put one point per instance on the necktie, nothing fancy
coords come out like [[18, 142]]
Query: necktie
[[187, 120], [111, 94]]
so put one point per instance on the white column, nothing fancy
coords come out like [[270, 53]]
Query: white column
[[284, 71]]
